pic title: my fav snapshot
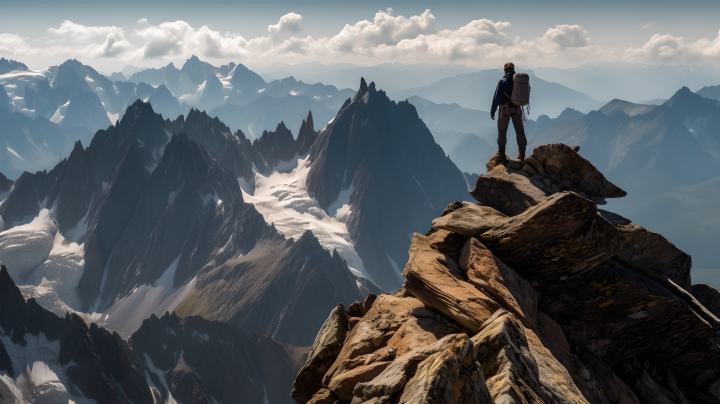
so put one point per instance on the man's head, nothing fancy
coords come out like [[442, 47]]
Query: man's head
[[509, 67]]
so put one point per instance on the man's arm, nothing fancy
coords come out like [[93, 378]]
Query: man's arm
[[496, 99]]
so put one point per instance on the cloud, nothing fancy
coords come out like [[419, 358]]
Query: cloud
[[385, 38], [567, 36], [166, 39], [649, 25], [288, 26], [676, 50]]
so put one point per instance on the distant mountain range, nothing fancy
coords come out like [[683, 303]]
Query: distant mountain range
[[631, 81], [668, 154], [476, 90]]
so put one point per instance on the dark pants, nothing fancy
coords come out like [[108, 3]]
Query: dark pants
[[508, 112]]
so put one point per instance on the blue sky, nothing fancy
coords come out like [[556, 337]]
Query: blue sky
[[109, 35]]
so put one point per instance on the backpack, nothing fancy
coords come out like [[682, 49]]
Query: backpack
[[521, 90]]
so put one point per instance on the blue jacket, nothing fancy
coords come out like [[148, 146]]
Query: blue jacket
[[503, 91]]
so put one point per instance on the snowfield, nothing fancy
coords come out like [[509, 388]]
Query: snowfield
[[283, 200], [44, 264]]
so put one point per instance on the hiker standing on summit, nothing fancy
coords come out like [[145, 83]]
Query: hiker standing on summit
[[509, 110]]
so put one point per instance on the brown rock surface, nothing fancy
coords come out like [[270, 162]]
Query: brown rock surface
[[510, 194], [343, 384], [448, 376], [470, 220], [562, 160], [324, 396], [322, 355], [558, 239], [489, 274], [431, 279]]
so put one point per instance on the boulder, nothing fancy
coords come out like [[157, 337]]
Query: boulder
[[343, 384], [323, 396], [450, 376], [562, 160], [402, 323], [394, 377], [470, 219], [323, 353], [510, 194], [490, 275], [430, 277], [508, 366], [558, 239], [496, 162]]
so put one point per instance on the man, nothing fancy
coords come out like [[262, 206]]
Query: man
[[508, 111]]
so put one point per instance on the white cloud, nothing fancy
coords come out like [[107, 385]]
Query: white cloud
[[676, 50], [386, 38], [567, 36], [288, 26], [651, 24]]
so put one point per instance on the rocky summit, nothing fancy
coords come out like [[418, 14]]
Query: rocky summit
[[532, 295]]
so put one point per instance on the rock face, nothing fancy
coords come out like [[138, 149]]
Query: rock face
[[533, 299]]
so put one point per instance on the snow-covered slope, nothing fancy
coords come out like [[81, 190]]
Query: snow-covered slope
[[282, 199]]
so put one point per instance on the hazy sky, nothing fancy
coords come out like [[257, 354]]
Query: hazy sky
[[111, 34]]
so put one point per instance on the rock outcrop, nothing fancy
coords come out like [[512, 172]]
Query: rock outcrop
[[532, 296]]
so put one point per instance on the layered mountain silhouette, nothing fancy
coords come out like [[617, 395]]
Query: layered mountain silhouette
[[475, 90]]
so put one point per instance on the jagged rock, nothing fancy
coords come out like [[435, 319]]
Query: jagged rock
[[517, 365], [325, 350], [557, 239], [186, 386], [306, 136], [470, 219], [394, 377], [430, 277], [562, 160], [489, 274], [344, 383], [510, 194], [495, 161], [324, 396], [449, 376], [650, 253]]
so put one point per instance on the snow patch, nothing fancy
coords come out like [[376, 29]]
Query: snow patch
[[43, 263], [127, 314], [283, 200], [201, 336]]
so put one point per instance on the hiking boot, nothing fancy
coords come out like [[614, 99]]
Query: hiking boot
[[501, 157], [521, 155]]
